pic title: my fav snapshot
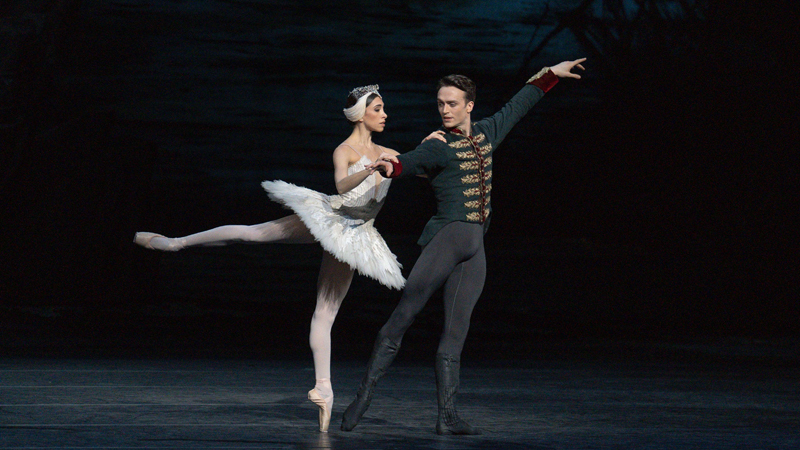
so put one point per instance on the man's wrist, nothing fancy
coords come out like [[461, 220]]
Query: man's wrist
[[397, 169], [545, 79]]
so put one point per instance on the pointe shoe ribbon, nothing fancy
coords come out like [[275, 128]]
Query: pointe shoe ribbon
[[325, 407]]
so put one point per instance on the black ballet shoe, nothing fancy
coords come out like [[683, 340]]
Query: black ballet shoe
[[460, 427]]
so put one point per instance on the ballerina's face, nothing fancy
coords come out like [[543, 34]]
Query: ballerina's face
[[375, 116]]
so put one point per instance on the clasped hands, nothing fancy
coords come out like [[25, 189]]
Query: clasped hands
[[384, 162]]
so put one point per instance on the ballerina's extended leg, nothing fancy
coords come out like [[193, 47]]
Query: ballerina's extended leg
[[287, 230]]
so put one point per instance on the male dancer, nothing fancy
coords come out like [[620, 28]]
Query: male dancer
[[460, 172]]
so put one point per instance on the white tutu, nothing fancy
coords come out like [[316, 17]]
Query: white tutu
[[346, 232]]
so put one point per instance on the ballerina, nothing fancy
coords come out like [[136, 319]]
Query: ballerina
[[343, 224]]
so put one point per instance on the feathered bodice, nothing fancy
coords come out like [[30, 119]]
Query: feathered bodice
[[365, 200]]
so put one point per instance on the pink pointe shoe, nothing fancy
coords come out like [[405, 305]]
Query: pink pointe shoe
[[325, 408], [145, 239]]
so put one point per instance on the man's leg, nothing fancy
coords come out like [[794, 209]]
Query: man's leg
[[461, 293], [456, 243], [453, 244]]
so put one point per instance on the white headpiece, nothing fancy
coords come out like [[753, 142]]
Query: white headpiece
[[357, 111]]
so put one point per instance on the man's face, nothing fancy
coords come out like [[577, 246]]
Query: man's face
[[454, 107]]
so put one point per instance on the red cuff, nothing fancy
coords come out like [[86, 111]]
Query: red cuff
[[397, 169], [546, 81]]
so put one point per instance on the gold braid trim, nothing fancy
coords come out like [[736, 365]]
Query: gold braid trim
[[470, 179], [476, 216], [538, 75], [464, 142], [465, 155], [471, 192], [461, 143], [483, 151], [473, 165], [474, 204], [474, 178], [469, 165]]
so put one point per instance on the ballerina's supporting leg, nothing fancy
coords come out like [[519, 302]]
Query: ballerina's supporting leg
[[332, 286], [286, 230]]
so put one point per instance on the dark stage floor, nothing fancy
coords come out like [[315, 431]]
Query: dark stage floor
[[617, 402]]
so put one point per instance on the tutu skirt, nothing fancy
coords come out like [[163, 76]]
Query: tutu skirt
[[340, 231]]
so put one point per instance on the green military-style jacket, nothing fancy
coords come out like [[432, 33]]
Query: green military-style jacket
[[460, 170]]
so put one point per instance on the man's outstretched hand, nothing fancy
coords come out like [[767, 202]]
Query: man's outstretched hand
[[564, 69]]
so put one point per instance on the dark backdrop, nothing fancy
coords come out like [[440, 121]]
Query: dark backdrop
[[650, 200]]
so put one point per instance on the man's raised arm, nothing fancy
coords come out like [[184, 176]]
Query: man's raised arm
[[504, 120]]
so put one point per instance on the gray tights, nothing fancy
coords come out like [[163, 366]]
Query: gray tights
[[453, 258]]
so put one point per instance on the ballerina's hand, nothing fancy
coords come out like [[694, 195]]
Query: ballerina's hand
[[438, 134], [563, 70], [387, 157], [384, 167]]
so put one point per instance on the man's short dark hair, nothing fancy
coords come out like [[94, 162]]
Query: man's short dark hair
[[460, 82]]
